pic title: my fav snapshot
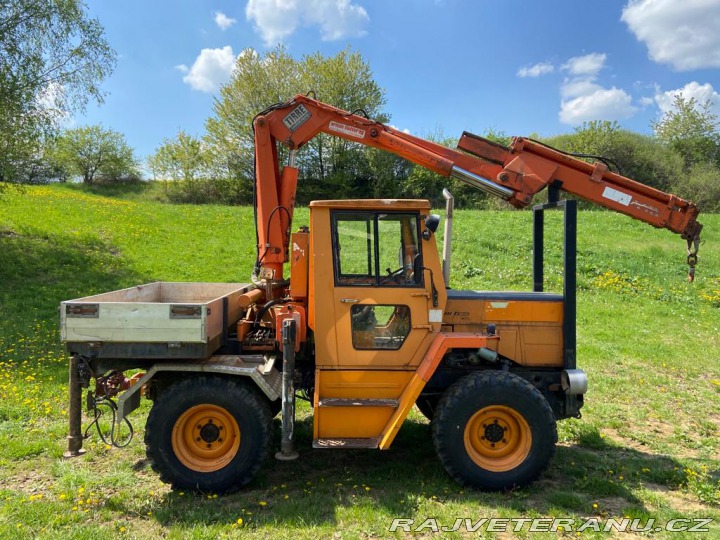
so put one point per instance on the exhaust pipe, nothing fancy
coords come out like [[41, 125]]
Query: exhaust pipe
[[447, 235], [481, 183]]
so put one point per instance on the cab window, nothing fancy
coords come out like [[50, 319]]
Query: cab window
[[377, 249], [379, 326]]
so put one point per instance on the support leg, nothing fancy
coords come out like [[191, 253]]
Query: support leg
[[75, 438], [287, 444]]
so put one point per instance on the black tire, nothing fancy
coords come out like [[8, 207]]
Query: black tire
[[191, 404], [494, 431], [427, 405]]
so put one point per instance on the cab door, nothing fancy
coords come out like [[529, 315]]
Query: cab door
[[380, 296]]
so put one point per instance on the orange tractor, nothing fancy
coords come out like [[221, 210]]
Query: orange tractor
[[365, 326]]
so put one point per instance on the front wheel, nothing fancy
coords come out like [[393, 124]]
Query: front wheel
[[208, 433], [494, 430]]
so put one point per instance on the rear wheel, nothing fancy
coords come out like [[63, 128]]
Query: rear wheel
[[494, 430], [208, 433]]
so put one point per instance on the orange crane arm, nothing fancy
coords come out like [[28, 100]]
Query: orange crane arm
[[514, 173]]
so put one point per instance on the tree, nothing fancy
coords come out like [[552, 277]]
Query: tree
[[192, 166], [185, 157], [327, 164], [692, 129], [95, 153], [640, 157], [53, 58]]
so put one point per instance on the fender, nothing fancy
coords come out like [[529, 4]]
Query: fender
[[443, 342], [258, 368]]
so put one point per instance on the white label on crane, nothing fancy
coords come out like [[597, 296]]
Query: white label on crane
[[435, 315], [617, 196], [297, 117], [347, 130]]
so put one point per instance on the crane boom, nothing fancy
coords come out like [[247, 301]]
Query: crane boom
[[515, 173]]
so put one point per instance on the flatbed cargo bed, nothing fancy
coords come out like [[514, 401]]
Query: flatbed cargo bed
[[158, 320]]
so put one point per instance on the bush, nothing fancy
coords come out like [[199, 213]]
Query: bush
[[230, 191], [701, 185]]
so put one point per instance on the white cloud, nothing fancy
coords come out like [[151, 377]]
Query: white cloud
[[602, 104], [277, 19], [585, 66], [572, 88], [701, 92], [646, 101], [583, 99], [683, 33], [223, 21], [542, 68], [211, 69]]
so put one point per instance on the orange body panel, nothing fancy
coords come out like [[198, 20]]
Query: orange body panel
[[355, 422], [360, 384], [530, 331], [332, 324]]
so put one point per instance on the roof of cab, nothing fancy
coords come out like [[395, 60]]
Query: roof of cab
[[374, 204]]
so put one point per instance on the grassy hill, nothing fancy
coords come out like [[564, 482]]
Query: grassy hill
[[646, 447]]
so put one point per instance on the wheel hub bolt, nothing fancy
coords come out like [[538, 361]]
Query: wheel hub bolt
[[494, 433], [210, 433]]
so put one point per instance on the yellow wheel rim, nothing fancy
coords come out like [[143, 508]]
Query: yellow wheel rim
[[206, 438], [497, 438]]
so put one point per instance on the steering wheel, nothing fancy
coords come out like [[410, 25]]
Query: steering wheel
[[393, 275]]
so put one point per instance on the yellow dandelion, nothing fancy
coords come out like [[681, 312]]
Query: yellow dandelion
[[239, 521], [263, 503]]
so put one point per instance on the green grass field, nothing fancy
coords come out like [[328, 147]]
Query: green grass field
[[648, 444]]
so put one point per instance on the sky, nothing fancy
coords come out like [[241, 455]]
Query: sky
[[517, 67]]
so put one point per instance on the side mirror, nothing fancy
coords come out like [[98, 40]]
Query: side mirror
[[432, 222]]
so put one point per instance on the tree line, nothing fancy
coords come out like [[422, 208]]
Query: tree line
[[53, 58]]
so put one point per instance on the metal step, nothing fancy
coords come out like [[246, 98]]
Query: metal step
[[346, 443], [346, 402]]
